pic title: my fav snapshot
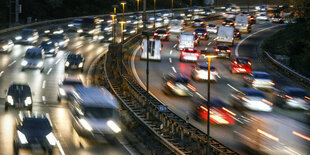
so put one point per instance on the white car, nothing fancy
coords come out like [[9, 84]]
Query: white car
[[67, 86], [33, 59], [200, 72], [212, 28], [262, 17], [259, 80]]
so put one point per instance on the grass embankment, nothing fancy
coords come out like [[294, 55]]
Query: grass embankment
[[294, 42]]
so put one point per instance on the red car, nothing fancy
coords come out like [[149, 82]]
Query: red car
[[252, 19], [189, 54], [220, 112], [161, 34], [241, 65], [223, 51]]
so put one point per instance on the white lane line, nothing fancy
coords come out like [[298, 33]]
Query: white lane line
[[174, 69], [43, 84], [170, 60], [175, 46], [232, 87], [219, 76], [49, 71], [12, 63], [1, 73], [44, 99], [60, 148], [237, 47], [77, 47], [57, 61], [209, 43], [171, 52]]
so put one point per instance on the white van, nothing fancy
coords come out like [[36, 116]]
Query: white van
[[154, 49], [186, 40]]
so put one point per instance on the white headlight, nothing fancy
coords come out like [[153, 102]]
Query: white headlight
[[51, 50], [85, 124], [62, 92], [5, 47], [40, 64], [81, 65], [51, 138], [28, 101], [70, 25], [47, 31], [22, 137], [67, 64], [91, 31], [79, 31], [10, 99], [24, 63], [18, 38], [30, 39], [113, 126]]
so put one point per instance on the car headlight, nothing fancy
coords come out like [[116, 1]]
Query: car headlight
[[40, 64], [62, 92], [51, 138], [51, 50], [61, 43], [85, 124], [10, 99], [28, 101], [125, 30], [30, 39], [5, 47], [81, 65], [18, 38], [67, 64], [133, 31], [91, 31], [113, 126], [79, 31], [70, 25], [22, 138], [24, 63], [47, 31]]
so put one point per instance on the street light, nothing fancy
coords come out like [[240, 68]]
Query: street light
[[209, 55], [137, 5], [114, 8], [154, 13], [191, 2], [123, 4], [171, 4], [113, 15], [122, 22], [147, 34]]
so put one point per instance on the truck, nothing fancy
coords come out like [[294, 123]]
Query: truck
[[154, 49], [225, 36], [242, 24], [187, 40], [175, 26]]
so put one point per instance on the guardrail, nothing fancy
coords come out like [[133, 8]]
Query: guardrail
[[287, 70]]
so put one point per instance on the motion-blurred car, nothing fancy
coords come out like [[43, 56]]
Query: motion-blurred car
[[208, 12], [228, 22], [130, 30], [223, 51], [212, 27], [176, 26], [34, 133], [161, 34], [106, 27], [198, 23], [6, 45], [220, 112], [262, 16], [74, 30], [27, 36], [177, 84], [61, 39], [261, 8], [251, 99], [67, 86], [277, 19], [259, 80], [237, 33], [54, 29], [166, 13], [241, 65], [189, 54], [18, 96], [33, 59], [251, 19], [233, 9], [49, 47], [76, 23], [74, 61], [201, 33], [229, 15], [292, 97], [200, 72]]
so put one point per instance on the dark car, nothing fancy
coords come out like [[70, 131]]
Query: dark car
[[292, 97], [27, 36], [237, 34], [198, 23], [61, 39], [34, 133], [202, 33], [18, 96], [75, 61], [228, 22], [49, 47], [223, 51], [277, 19], [177, 84], [252, 19], [161, 34], [6, 45], [54, 29]]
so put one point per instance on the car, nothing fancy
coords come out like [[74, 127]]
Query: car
[[292, 97], [166, 13], [263, 7], [54, 29], [220, 112], [107, 19], [74, 61], [237, 33], [198, 23], [27, 36], [74, 30], [252, 19], [49, 47], [233, 9], [67, 86], [277, 19], [130, 30], [196, 9], [258, 79], [177, 84], [35, 133], [200, 72], [189, 54], [212, 28], [161, 34], [241, 65], [201, 33], [176, 26], [76, 23], [18, 95], [106, 27], [133, 21], [229, 15], [33, 59], [251, 99], [6, 45], [228, 22], [61, 39], [223, 51], [208, 12], [262, 16]]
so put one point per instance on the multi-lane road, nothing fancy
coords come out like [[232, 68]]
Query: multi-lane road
[[279, 123]]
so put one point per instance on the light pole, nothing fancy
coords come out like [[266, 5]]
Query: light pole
[[191, 2], [123, 4], [171, 4], [209, 55], [138, 5], [154, 14], [114, 8], [147, 34], [113, 15], [122, 22]]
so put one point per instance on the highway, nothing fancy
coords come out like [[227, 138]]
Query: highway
[[280, 123]]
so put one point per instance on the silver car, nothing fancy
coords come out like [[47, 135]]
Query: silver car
[[258, 80], [33, 59]]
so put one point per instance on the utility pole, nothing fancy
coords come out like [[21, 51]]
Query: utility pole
[[144, 14], [17, 8], [10, 13]]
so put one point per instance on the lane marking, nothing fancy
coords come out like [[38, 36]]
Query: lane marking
[[219, 76], [59, 147], [209, 43], [1, 73], [170, 60], [237, 47], [232, 87], [175, 46], [57, 61], [49, 71], [12, 63], [43, 84], [171, 52], [44, 99], [174, 69]]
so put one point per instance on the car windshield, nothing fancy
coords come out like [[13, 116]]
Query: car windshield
[[74, 57], [200, 30], [297, 93], [212, 25], [223, 47], [98, 112], [205, 67], [36, 124], [254, 94], [47, 43], [242, 61], [198, 20], [26, 33], [187, 38], [72, 82], [261, 76], [181, 80], [33, 55], [19, 88]]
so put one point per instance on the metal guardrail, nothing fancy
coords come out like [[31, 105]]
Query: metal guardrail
[[287, 70]]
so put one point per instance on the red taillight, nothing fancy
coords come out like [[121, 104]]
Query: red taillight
[[191, 87]]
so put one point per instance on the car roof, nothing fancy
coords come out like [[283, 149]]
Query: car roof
[[178, 76], [222, 46], [200, 29], [259, 72], [34, 50], [250, 90], [32, 30], [288, 89], [204, 64]]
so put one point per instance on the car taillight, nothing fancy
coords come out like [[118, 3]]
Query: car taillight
[[155, 34], [171, 85], [217, 49], [191, 87], [228, 51]]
